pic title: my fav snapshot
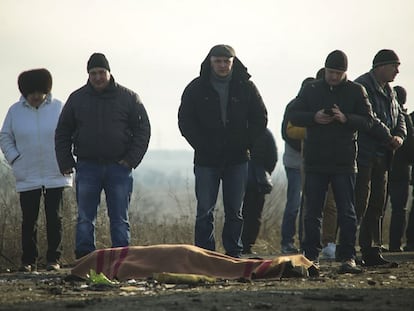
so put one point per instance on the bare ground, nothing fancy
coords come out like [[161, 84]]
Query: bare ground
[[375, 289]]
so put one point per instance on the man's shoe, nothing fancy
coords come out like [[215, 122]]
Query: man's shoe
[[328, 252], [314, 270], [395, 249], [349, 266], [27, 268], [248, 251], [378, 260], [52, 266], [383, 249], [409, 248], [289, 249]]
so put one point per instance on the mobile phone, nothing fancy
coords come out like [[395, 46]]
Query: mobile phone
[[328, 111]]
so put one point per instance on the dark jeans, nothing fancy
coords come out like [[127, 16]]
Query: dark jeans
[[30, 205], [252, 216], [315, 191], [369, 200], [398, 191], [116, 181], [207, 182], [293, 203]]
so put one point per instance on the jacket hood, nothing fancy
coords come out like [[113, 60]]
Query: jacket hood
[[239, 70]]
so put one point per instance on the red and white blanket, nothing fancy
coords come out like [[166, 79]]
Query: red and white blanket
[[134, 262]]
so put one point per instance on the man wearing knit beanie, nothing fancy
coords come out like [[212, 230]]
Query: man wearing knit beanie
[[107, 128], [336, 65], [333, 110], [385, 57], [375, 151]]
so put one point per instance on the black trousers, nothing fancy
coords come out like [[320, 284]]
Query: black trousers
[[30, 205], [398, 191], [252, 215], [409, 233]]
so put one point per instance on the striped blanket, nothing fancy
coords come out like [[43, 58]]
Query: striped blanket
[[134, 262]]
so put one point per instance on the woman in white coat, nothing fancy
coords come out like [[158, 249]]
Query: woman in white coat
[[27, 141]]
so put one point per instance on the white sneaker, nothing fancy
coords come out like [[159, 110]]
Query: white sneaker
[[328, 252]]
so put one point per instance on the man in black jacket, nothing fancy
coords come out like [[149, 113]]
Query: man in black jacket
[[375, 153], [108, 129], [333, 110], [399, 178], [221, 115]]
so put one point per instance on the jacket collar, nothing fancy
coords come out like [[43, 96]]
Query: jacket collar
[[47, 101], [385, 91]]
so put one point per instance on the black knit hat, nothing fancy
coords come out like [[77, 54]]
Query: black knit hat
[[98, 60], [385, 57], [222, 50], [36, 80], [337, 60], [401, 94]]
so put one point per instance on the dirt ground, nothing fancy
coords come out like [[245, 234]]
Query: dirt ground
[[375, 289]]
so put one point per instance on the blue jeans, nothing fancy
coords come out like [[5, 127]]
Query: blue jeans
[[116, 181], [207, 182], [293, 199], [316, 187]]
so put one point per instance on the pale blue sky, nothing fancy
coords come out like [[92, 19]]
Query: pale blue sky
[[155, 47]]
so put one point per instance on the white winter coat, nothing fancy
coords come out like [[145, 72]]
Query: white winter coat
[[27, 140]]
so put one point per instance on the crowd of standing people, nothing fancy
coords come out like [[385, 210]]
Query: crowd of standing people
[[349, 146]]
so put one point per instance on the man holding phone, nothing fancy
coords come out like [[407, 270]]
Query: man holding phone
[[333, 110]]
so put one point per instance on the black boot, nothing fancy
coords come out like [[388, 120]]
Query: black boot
[[372, 257]]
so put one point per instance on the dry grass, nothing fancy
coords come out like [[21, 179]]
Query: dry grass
[[148, 227]]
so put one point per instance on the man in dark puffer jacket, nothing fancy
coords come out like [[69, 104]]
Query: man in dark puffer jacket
[[221, 115], [108, 128], [333, 110]]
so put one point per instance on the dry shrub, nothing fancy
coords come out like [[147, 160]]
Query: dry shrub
[[152, 221]]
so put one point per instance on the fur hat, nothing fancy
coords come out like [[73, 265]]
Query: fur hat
[[36, 80], [337, 60], [98, 60], [385, 57], [222, 50]]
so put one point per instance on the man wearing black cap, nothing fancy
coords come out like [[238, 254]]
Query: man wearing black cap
[[333, 110], [375, 153], [221, 115], [107, 127]]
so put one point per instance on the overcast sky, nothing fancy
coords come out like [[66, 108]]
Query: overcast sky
[[155, 47]]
